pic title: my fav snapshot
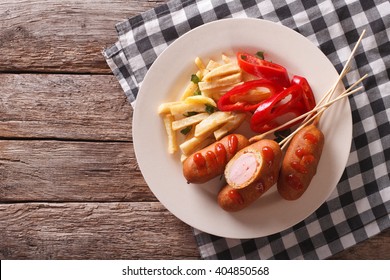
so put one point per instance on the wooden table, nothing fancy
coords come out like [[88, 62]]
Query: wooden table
[[70, 187]]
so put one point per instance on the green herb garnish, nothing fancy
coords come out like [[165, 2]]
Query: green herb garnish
[[260, 55], [210, 108], [197, 92], [189, 114], [195, 79], [186, 130]]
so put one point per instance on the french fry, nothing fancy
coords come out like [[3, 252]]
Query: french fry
[[192, 113], [192, 87], [224, 81], [248, 77], [199, 63], [237, 120], [200, 99], [183, 157], [172, 140], [189, 134], [212, 64], [189, 91], [212, 122], [206, 142], [221, 71], [218, 91], [182, 108], [226, 58], [183, 123], [254, 96], [165, 108], [191, 145]]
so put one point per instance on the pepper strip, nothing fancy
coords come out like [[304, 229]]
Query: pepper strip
[[263, 69], [266, 115], [228, 101]]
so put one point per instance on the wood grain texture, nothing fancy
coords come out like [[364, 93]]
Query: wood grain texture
[[93, 231], [61, 36], [86, 107], [375, 248], [70, 171]]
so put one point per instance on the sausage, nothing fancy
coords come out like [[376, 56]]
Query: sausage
[[211, 161], [300, 162], [249, 174]]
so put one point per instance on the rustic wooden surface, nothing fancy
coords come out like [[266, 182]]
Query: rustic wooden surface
[[70, 187]]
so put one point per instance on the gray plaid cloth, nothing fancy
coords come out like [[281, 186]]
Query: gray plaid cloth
[[360, 205]]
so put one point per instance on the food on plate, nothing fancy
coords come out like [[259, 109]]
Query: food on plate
[[308, 96], [300, 162], [249, 174], [248, 96], [259, 67], [209, 128], [192, 87], [237, 88], [172, 140], [220, 78], [210, 162], [221, 96], [231, 125], [191, 120], [270, 101], [194, 121], [225, 74], [211, 123], [302, 157], [281, 108], [225, 70]]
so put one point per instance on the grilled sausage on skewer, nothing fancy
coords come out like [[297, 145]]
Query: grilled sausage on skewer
[[249, 174], [300, 162]]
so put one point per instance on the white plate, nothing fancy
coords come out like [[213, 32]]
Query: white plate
[[196, 204]]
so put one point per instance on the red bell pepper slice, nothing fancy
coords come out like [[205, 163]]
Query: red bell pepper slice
[[263, 69], [238, 99], [279, 109], [308, 95]]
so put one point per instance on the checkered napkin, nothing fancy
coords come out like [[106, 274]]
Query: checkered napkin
[[360, 205]]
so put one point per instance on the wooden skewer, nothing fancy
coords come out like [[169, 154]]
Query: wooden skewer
[[344, 71], [317, 116], [330, 92], [346, 93], [320, 107], [326, 97], [318, 111], [261, 136]]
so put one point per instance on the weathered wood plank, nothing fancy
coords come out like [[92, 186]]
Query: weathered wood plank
[[116, 231], [61, 35], [93, 231], [63, 106], [374, 248], [70, 171]]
